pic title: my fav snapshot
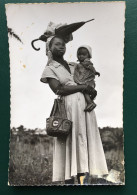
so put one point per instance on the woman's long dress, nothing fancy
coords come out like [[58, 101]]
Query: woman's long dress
[[82, 151]]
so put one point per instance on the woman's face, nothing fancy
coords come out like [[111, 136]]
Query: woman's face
[[58, 47]]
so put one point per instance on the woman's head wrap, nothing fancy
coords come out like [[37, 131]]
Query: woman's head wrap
[[50, 33], [63, 30]]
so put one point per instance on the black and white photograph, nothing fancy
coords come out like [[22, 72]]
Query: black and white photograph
[[66, 93]]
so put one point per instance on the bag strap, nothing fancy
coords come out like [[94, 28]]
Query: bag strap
[[54, 108], [61, 107]]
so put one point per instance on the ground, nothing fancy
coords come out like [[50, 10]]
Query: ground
[[31, 157]]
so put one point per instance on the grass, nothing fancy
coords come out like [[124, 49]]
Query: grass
[[31, 156]]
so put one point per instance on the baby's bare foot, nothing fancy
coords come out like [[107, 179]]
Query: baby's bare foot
[[90, 107]]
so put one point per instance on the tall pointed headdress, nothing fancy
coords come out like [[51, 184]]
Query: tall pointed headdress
[[63, 30]]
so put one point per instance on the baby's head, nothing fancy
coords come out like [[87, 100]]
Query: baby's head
[[84, 52]]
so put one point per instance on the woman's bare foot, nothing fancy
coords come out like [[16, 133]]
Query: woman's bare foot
[[90, 107]]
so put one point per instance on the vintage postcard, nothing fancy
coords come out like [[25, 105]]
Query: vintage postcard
[[66, 82]]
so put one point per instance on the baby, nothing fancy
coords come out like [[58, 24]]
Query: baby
[[85, 73]]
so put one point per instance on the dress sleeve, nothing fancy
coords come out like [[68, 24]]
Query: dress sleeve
[[48, 73]]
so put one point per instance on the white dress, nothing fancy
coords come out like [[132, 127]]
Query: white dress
[[82, 151]]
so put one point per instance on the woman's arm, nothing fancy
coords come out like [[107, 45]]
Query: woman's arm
[[59, 89], [63, 90]]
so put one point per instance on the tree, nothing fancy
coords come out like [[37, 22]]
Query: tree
[[11, 33]]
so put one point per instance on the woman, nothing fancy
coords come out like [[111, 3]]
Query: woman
[[82, 151]]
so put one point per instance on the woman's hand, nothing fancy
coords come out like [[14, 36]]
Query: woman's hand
[[90, 90], [64, 90]]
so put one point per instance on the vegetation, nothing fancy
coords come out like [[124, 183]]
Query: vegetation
[[11, 33], [31, 156]]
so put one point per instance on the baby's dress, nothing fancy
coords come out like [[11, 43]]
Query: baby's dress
[[82, 151], [85, 75]]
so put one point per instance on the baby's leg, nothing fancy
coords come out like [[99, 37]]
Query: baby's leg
[[90, 104], [87, 98]]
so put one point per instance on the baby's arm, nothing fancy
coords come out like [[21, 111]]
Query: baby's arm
[[87, 64], [91, 67]]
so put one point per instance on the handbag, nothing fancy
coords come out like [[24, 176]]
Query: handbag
[[57, 125]]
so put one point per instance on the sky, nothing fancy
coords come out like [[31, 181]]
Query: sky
[[32, 100]]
